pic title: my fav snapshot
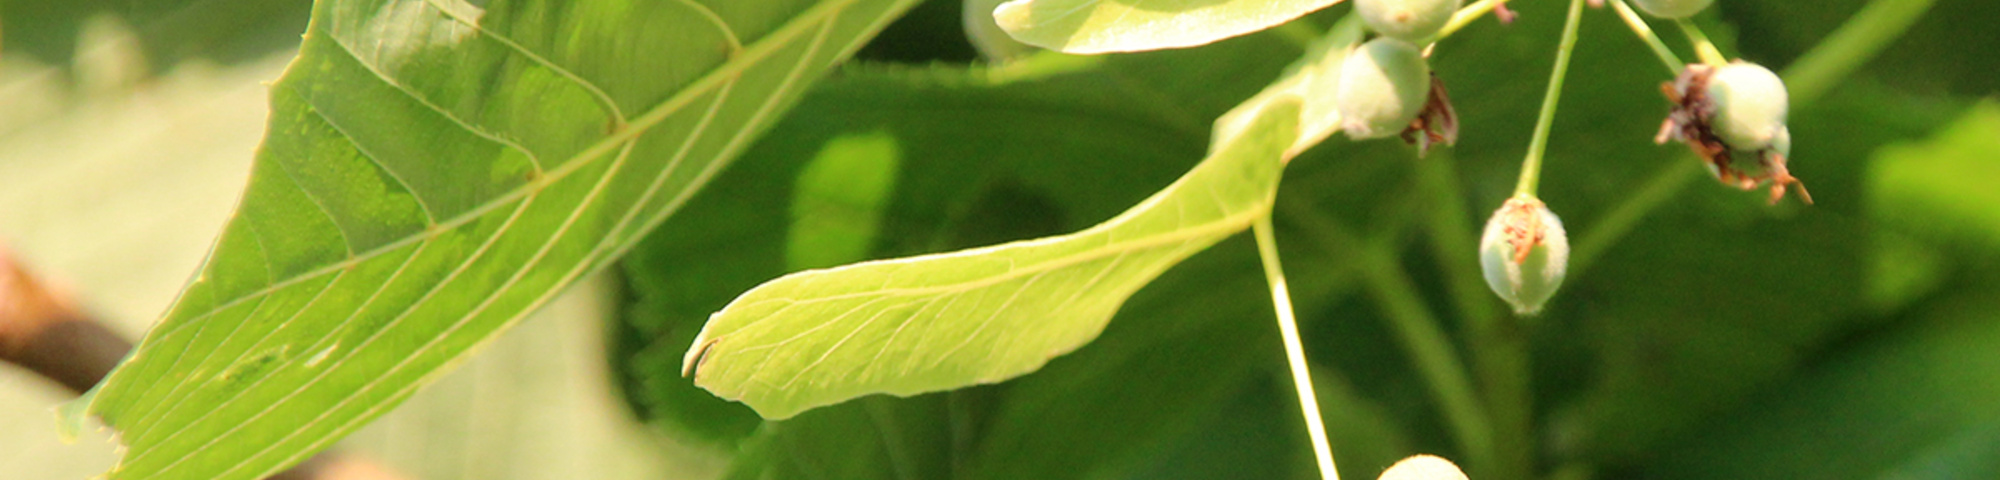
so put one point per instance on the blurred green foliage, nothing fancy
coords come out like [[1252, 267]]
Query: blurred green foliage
[[1721, 338], [169, 30]]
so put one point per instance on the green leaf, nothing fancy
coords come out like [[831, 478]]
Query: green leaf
[[838, 200], [1188, 344], [1309, 79], [979, 316], [1103, 26], [962, 183], [433, 172], [1943, 188]]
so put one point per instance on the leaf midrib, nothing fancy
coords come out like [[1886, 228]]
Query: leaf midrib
[[812, 19], [750, 56], [1224, 225]]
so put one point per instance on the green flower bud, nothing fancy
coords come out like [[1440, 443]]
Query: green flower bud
[[1672, 9], [1383, 85], [1409, 20], [1750, 104], [1423, 467], [1524, 253]]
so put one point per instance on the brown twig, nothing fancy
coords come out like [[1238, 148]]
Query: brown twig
[[42, 330]]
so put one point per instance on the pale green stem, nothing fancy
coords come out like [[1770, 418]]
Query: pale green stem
[[1703, 48], [1465, 16], [1414, 325], [1531, 167], [1855, 43], [1295, 352], [1645, 33]]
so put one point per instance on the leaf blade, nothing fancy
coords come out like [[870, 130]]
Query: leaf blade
[[482, 163], [1105, 26], [1240, 180]]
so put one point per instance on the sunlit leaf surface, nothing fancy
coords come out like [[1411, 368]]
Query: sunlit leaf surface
[[935, 322], [433, 171], [1100, 26]]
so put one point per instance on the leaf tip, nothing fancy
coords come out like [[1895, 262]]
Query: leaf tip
[[71, 417], [697, 353]]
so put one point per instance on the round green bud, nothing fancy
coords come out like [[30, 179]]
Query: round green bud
[[1423, 467], [1383, 85], [1750, 104], [1410, 20], [1672, 9], [1524, 253]]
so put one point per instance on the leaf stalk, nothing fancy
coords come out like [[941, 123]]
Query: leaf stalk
[[1645, 33], [1531, 167], [1295, 353]]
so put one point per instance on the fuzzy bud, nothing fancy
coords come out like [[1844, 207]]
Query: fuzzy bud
[[1524, 253], [1409, 20], [1750, 106], [1423, 467], [1383, 85]]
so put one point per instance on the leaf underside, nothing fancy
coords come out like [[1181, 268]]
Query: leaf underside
[[937, 322], [433, 172], [1104, 26]]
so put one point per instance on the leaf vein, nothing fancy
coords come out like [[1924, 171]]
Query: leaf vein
[[337, 363], [716, 79], [595, 92], [418, 97], [370, 301]]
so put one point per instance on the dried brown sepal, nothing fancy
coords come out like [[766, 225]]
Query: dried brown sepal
[[1690, 121], [1436, 123], [1522, 225]]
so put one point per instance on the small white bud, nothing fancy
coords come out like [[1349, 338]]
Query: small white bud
[[1423, 467], [1750, 106], [1524, 253], [1383, 85], [1409, 20]]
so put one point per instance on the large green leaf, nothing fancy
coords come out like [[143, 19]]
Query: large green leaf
[[1101, 26], [961, 184], [433, 172], [929, 323]]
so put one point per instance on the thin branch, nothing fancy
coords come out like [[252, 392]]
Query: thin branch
[[1295, 352]]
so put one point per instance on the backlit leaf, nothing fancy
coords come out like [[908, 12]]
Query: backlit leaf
[[936, 322], [1101, 26], [433, 172]]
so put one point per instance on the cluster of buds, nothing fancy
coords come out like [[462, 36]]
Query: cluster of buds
[[1733, 116]]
